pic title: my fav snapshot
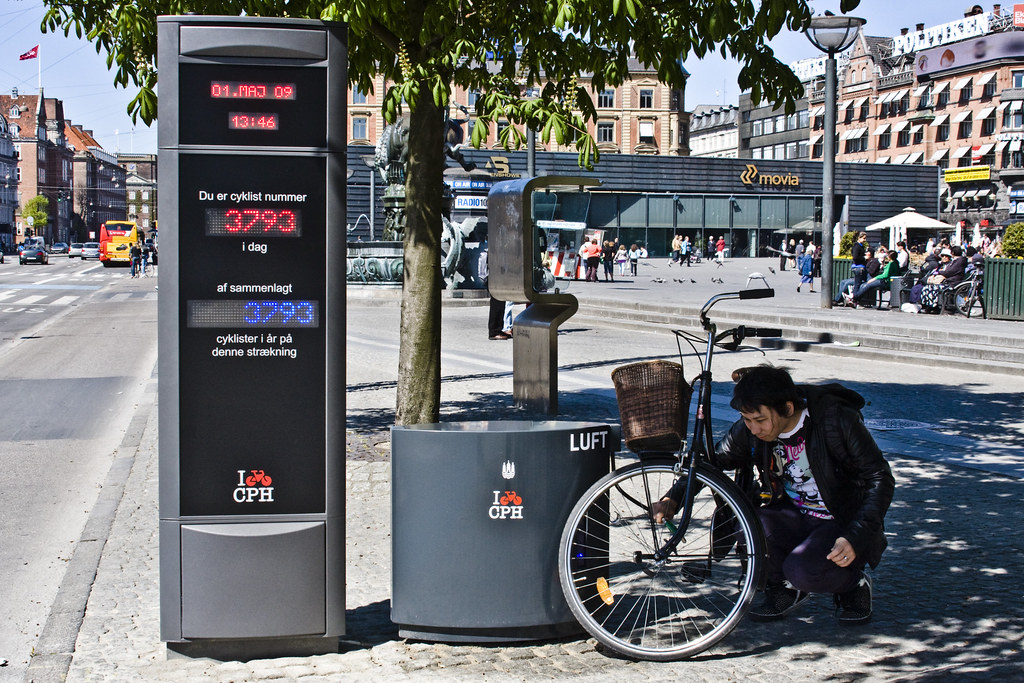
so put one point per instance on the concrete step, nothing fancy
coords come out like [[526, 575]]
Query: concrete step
[[862, 334]]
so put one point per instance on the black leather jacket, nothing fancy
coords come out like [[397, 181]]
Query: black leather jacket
[[853, 477]]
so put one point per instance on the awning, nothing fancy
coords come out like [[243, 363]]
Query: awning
[[960, 151], [882, 160], [1002, 106], [984, 149], [817, 111], [984, 193], [958, 194], [882, 129], [900, 159], [985, 113], [858, 133], [916, 128], [859, 102], [920, 90], [1015, 105], [970, 193], [962, 116], [986, 78], [938, 155], [899, 126], [843, 106], [914, 158], [942, 88], [963, 83], [939, 120], [816, 138], [1000, 146], [1015, 145]]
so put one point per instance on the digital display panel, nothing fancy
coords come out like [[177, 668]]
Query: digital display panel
[[252, 90], [253, 314], [253, 222], [239, 120], [240, 105]]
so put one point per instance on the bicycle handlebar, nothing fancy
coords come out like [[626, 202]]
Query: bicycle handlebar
[[760, 293]]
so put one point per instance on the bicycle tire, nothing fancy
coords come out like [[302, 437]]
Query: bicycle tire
[[678, 608]]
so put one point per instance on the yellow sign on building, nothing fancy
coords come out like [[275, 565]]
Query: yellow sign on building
[[960, 175]]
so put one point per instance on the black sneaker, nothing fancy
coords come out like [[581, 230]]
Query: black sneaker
[[854, 606], [778, 602]]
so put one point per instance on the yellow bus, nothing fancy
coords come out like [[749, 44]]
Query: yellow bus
[[116, 241]]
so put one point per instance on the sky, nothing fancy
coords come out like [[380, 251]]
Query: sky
[[73, 72]]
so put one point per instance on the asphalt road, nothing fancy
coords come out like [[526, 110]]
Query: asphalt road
[[77, 342]]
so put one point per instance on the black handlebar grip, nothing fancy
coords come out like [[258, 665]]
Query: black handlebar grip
[[762, 332], [759, 293]]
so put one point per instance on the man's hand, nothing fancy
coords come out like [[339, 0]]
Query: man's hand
[[842, 553], [664, 509]]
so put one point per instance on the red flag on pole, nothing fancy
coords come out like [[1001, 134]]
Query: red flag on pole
[[31, 54]]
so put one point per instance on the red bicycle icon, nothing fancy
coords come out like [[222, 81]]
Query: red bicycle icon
[[258, 477]]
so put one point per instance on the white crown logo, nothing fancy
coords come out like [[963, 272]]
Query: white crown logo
[[508, 470]]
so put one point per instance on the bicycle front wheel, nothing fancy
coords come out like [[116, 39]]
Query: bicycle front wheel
[[668, 609]]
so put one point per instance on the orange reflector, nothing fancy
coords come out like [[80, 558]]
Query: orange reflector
[[604, 591]]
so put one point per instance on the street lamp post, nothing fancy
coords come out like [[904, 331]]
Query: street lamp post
[[830, 34]]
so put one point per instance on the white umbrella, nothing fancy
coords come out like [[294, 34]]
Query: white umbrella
[[899, 224]]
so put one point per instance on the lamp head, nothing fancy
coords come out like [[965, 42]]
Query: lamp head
[[832, 34]]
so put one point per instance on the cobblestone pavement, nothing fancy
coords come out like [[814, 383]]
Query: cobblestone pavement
[[948, 597]]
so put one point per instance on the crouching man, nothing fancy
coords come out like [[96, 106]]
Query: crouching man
[[825, 486]]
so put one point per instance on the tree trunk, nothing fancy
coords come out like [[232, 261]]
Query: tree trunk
[[419, 363]]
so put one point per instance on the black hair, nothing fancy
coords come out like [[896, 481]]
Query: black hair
[[768, 386], [957, 250]]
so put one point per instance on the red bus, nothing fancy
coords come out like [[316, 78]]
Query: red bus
[[116, 240]]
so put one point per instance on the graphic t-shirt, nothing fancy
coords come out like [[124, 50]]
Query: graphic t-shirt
[[790, 452]]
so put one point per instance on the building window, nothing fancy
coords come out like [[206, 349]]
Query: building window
[[966, 93], [1013, 159], [990, 89], [943, 98], [884, 140], [42, 175], [964, 161], [803, 119], [502, 125], [769, 126], [942, 132], [903, 139], [816, 150], [605, 131], [606, 98], [358, 96], [756, 129], [988, 125], [792, 122], [943, 162], [755, 153], [918, 132], [1017, 79], [802, 147], [131, 195], [965, 128], [145, 194], [471, 97], [647, 132], [925, 100], [145, 208], [791, 152], [855, 145], [646, 99], [359, 128], [1013, 119]]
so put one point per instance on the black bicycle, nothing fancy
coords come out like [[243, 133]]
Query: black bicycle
[[671, 590]]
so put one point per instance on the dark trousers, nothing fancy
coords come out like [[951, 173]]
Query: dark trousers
[[798, 546], [495, 317], [860, 276]]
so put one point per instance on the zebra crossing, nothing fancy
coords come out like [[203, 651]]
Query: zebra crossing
[[64, 289]]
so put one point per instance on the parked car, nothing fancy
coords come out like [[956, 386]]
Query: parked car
[[91, 250], [59, 248], [75, 250], [35, 254]]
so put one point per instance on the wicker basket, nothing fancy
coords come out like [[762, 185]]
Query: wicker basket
[[654, 400]]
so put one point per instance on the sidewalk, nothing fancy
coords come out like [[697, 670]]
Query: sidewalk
[[947, 594]]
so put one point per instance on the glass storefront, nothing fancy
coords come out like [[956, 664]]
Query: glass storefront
[[750, 223]]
